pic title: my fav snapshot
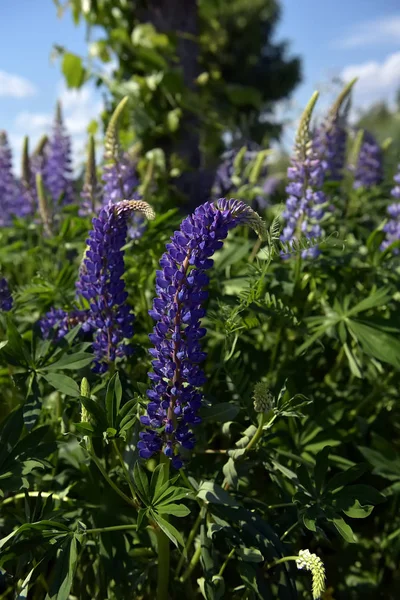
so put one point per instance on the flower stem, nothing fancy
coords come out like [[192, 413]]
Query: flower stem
[[163, 553], [192, 564], [279, 561], [189, 542], [228, 558], [126, 473], [112, 528]]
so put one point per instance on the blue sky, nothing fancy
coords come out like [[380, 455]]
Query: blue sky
[[341, 38]]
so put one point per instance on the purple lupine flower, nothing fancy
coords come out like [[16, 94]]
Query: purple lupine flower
[[178, 309], [306, 203], [120, 179], [330, 138], [8, 184], [58, 322], [369, 169], [101, 282], [392, 227], [57, 170], [330, 145], [6, 300]]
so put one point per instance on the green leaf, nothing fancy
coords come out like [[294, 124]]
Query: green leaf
[[44, 525], [345, 477], [113, 399], [158, 478], [95, 411], [229, 470], [222, 412], [214, 494], [62, 580], [70, 362], [63, 383], [250, 554], [344, 529], [357, 501], [169, 530], [73, 70], [321, 468], [141, 482], [375, 299], [377, 343], [178, 510]]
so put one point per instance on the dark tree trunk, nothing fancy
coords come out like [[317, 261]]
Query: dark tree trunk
[[180, 17]]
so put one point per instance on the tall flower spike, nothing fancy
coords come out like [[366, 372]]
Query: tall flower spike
[[8, 184], [28, 192], [101, 283], [91, 191], [38, 157], [330, 138], [305, 204], [44, 212], [312, 562], [6, 300], [369, 169], [392, 227], [180, 285], [58, 166]]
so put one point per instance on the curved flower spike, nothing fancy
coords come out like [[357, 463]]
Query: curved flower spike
[[101, 282], [178, 309]]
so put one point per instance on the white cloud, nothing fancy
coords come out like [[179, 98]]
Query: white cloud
[[79, 108], [14, 86], [380, 31], [376, 80]]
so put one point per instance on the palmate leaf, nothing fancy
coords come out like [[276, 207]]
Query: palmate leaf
[[63, 576], [376, 342]]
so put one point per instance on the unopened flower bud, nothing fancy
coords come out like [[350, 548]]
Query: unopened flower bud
[[263, 398]]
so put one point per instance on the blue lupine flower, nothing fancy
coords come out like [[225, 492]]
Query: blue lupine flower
[[6, 300], [8, 185], [58, 322], [392, 227], [178, 309], [369, 169], [306, 203], [57, 169], [101, 282], [330, 139]]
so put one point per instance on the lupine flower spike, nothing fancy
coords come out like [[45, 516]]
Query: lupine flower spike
[[392, 227], [91, 191], [58, 165], [100, 281], [330, 138], [119, 173], [369, 169], [305, 204], [8, 184], [28, 191], [38, 158], [175, 397], [6, 300], [312, 562]]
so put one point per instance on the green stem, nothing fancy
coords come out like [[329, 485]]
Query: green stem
[[126, 473], [289, 530], [279, 561], [189, 542], [110, 481], [228, 558], [192, 564], [258, 433], [36, 495], [163, 553], [112, 528]]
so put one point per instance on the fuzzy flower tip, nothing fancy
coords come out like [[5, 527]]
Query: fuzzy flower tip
[[369, 170], [57, 168], [312, 562], [8, 185], [306, 203], [6, 300], [392, 227], [101, 282], [177, 375]]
